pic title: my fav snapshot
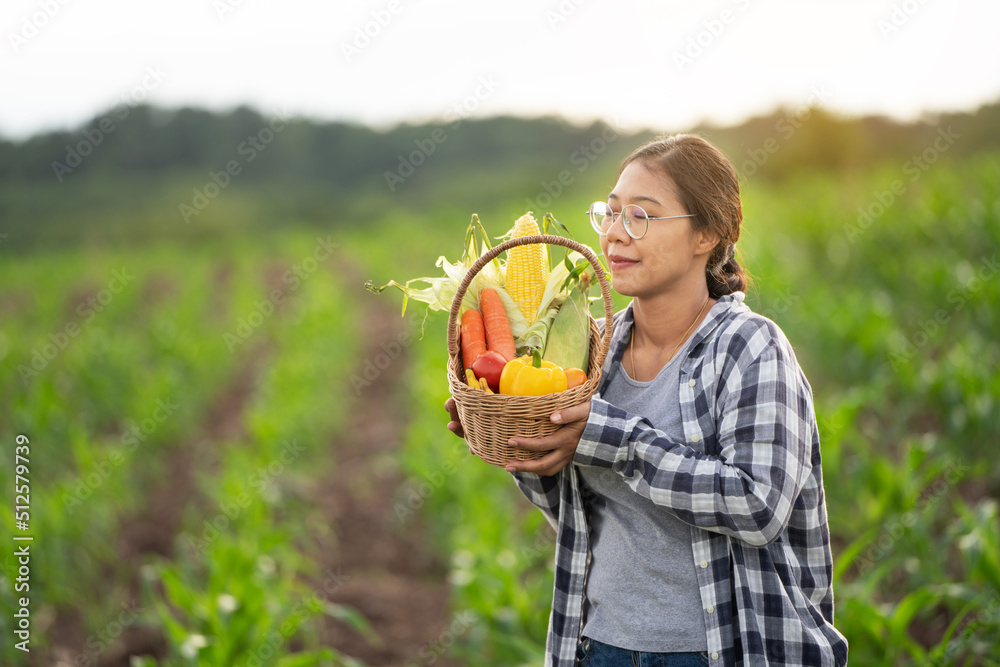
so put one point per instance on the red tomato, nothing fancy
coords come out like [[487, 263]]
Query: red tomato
[[490, 365]]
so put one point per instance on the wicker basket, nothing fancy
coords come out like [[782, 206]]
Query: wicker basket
[[490, 420]]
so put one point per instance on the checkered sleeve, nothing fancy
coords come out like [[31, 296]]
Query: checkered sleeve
[[764, 432], [542, 491]]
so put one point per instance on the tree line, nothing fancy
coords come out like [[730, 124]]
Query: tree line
[[133, 169]]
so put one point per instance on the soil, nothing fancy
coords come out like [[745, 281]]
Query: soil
[[389, 573], [386, 570], [153, 529]]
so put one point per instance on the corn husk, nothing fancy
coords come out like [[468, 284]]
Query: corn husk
[[438, 292]]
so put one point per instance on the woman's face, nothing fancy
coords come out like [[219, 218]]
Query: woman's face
[[670, 254]]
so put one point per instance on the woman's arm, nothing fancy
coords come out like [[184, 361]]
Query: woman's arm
[[765, 430]]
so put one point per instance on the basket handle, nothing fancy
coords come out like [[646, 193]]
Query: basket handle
[[552, 239]]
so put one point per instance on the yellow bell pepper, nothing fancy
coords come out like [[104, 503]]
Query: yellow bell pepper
[[530, 376]]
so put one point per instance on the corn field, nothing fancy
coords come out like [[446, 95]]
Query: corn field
[[238, 456]]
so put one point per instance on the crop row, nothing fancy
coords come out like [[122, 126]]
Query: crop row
[[154, 385]]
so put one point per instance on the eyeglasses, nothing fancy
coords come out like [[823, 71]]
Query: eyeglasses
[[635, 219]]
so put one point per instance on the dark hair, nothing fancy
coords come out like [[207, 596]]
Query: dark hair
[[709, 188]]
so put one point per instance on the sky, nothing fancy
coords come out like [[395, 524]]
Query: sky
[[634, 63]]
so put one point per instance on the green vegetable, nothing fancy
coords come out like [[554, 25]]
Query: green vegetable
[[440, 291], [568, 342]]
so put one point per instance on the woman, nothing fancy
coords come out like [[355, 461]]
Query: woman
[[687, 494]]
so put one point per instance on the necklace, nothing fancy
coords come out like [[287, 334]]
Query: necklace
[[683, 338]]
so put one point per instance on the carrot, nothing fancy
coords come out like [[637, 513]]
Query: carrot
[[473, 336], [498, 335]]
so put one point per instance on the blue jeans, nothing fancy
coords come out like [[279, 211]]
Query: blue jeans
[[590, 653]]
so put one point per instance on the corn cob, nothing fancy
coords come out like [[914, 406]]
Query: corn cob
[[527, 269]]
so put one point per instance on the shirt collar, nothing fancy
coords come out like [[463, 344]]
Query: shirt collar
[[623, 321]]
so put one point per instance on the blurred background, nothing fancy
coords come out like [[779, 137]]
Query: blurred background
[[234, 454]]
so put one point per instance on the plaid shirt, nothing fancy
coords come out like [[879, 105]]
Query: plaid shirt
[[747, 479]]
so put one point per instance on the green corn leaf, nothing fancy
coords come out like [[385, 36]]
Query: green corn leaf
[[354, 619]]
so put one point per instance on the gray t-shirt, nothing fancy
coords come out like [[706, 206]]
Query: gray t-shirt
[[641, 591]]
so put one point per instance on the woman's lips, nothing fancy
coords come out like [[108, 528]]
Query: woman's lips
[[619, 262]]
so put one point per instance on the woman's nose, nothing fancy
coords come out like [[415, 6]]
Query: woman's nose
[[616, 231]]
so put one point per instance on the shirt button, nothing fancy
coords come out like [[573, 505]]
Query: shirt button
[[704, 564], [691, 383], [695, 438], [715, 655], [710, 609]]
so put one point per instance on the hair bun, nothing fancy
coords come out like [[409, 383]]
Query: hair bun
[[727, 279]]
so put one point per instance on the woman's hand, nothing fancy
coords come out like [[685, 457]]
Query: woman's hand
[[561, 445], [455, 425]]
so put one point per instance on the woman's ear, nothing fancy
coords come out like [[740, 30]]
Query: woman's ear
[[705, 241]]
